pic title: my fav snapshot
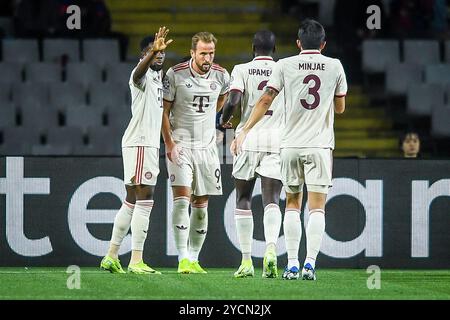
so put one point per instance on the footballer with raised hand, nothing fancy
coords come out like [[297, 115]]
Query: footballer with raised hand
[[140, 153]]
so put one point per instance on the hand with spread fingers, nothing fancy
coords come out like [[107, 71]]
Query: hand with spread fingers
[[160, 42]]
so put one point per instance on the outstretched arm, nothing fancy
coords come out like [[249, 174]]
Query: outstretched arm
[[159, 44], [261, 107]]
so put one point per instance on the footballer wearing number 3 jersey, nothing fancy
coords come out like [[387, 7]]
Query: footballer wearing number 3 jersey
[[314, 89]]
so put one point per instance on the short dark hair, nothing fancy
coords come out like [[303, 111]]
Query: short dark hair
[[264, 41], [146, 41], [311, 34]]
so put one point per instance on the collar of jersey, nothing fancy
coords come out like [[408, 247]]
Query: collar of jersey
[[195, 73], [310, 51], [263, 58]]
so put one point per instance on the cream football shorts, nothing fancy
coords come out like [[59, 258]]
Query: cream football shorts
[[312, 166], [140, 165], [248, 164], [199, 170]]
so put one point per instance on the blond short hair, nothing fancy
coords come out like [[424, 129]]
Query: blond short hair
[[203, 36]]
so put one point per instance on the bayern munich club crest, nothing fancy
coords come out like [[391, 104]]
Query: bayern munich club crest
[[172, 178], [213, 86], [148, 175]]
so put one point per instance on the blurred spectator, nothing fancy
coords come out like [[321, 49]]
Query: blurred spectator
[[410, 145], [412, 19]]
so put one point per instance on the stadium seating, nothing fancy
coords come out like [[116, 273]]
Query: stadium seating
[[29, 93], [421, 52], [422, 98], [440, 121], [378, 54], [400, 76], [103, 52], [84, 73], [10, 72], [38, 115], [20, 50], [7, 115], [43, 72], [18, 141], [109, 94], [5, 92], [438, 74], [65, 94], [447, 51], [61, 50], [64, 139], [83, 117]]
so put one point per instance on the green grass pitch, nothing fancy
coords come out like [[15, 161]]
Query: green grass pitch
[[219, 284]]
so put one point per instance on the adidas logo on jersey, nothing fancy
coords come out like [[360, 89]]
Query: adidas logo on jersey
[[181, 227]]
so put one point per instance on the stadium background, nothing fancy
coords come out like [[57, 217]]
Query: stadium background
[[64, 104]]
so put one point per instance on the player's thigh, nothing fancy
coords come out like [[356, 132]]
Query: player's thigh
[[207, 176], [318, 170], [140, 165], [292, 174], [181, 175]]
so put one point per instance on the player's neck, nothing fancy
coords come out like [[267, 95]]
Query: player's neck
[[196, 69]]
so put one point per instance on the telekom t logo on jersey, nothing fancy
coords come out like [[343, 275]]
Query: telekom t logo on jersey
[[201, 104]]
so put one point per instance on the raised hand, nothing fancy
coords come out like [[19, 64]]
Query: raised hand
[[160, 42]]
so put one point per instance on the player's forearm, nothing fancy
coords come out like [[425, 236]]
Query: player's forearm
[[228, 111], [258, 111], [143, 66], [165, 130], [221, 102], [229, 108]]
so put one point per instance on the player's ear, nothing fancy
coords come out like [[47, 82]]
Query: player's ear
[[322, 46], [299, 44], [192, 54]]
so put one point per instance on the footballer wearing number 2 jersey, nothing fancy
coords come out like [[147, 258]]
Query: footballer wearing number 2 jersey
[[314, 89]]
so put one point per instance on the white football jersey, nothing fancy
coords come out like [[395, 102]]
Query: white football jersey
[[144, 128], [310, 81], [251, 78], [194, 96]]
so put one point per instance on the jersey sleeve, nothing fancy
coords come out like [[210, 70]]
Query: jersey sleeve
[[226, 83], [169, 85], [276, 80], [341, 84], [237, 80]]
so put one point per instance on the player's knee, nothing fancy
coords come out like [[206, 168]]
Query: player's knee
[[199, 200], [131, 194], [144, 192]]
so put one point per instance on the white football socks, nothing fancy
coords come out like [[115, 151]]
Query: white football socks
[[181, 224], [314, 234], [139, 223], [272, 224], [292, 227], [244, 228], [198, 229], [122, 223]]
